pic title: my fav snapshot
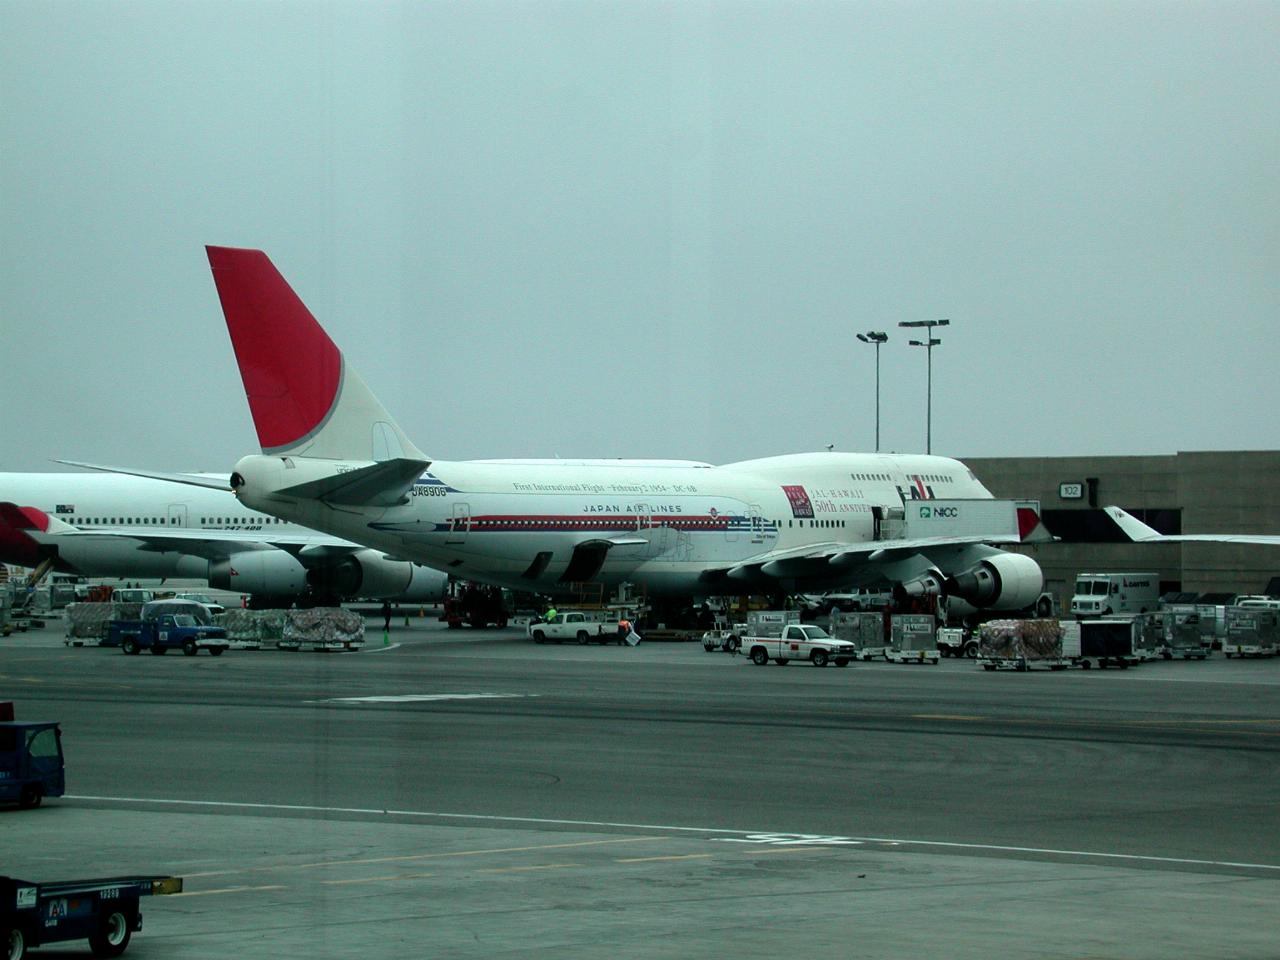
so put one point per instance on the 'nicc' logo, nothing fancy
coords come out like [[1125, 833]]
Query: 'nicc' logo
[[939, 513]]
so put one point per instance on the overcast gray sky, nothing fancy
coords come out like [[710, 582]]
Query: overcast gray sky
[[648, 229]]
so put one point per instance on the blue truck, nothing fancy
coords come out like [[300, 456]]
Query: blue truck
[[168, 625], [103, 911], [31, 765]]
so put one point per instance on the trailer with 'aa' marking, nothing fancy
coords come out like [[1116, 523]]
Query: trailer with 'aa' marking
[[104, 911]]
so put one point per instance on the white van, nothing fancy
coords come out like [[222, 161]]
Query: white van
[[1110, 594]]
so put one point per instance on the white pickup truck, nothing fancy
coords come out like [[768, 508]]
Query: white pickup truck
[[800, 641], [574, 625]]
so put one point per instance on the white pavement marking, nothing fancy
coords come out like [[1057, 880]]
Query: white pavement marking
[[426, 697], [756, 836]]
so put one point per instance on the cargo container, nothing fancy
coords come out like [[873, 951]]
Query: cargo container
[[1116, 642], [864, 630], [1251, 632], [912, 638]]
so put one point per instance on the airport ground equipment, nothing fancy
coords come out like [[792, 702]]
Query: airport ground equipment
[[31, 765], [1251, 632], [87, 622], [104, 911], [724, 636], [912, 638], [1184, 632], [957, 642], [582, 626], [168, 625], [322, 629], [1151, 639], [18, 602], [1102, 595], [865, 630], [799, 641], [1022, 645], [252, 629], [1115, 642], [475, 605]]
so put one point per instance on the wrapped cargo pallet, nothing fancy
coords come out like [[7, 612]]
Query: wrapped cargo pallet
[[1021, 644], [87, 622], [252, 629], [328, 628]]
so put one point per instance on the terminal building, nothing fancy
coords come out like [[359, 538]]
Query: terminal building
[[1181, 493]]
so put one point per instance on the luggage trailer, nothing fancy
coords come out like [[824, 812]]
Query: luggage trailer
[[103, 911]]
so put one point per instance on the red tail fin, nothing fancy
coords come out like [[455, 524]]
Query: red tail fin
[[290, 368]]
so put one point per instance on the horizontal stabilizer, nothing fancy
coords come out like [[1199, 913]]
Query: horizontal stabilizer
[[23, 518], [383, 484], [190, 479]]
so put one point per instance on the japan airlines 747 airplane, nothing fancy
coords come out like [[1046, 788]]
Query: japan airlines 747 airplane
[[101, 525], [334, 460]]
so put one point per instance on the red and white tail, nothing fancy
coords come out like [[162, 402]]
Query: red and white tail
[[305, 401]]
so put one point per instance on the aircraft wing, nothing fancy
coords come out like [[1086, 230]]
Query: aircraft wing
[[1139, 532], [824, 560]]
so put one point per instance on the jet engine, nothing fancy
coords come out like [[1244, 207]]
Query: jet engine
[[1006, 581], [930, 583], [270, 572], [369, 574]]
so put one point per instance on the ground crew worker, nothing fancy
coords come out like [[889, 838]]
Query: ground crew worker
[[624, 628]]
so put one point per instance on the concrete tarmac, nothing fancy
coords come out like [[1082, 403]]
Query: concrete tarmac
[[460, 794]]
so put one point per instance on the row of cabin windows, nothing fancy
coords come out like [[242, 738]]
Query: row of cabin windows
[[562, 524], [820, 523], [927, 478], [170, 521]]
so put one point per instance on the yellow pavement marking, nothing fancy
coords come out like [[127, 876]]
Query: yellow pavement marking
[[210, 893], [405, 858], [391, 877], [686, 856]]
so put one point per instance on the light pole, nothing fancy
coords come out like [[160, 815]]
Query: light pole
[[877, 337], [928, 344]]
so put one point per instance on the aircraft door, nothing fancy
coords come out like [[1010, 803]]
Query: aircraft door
[[757, 523], [662, 537], [177, 514], [459, 523]]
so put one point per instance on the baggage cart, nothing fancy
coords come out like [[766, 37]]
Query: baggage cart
[[865, 630], [912, 640], [104, 911], [1251, 632], [1103, 643], [1184, 633], [1150, 639]]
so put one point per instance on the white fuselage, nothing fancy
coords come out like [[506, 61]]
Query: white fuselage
[[526, 524], [118, 506]]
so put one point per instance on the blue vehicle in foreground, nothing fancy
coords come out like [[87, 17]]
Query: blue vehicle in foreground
[[104, 911], [31, 765]]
